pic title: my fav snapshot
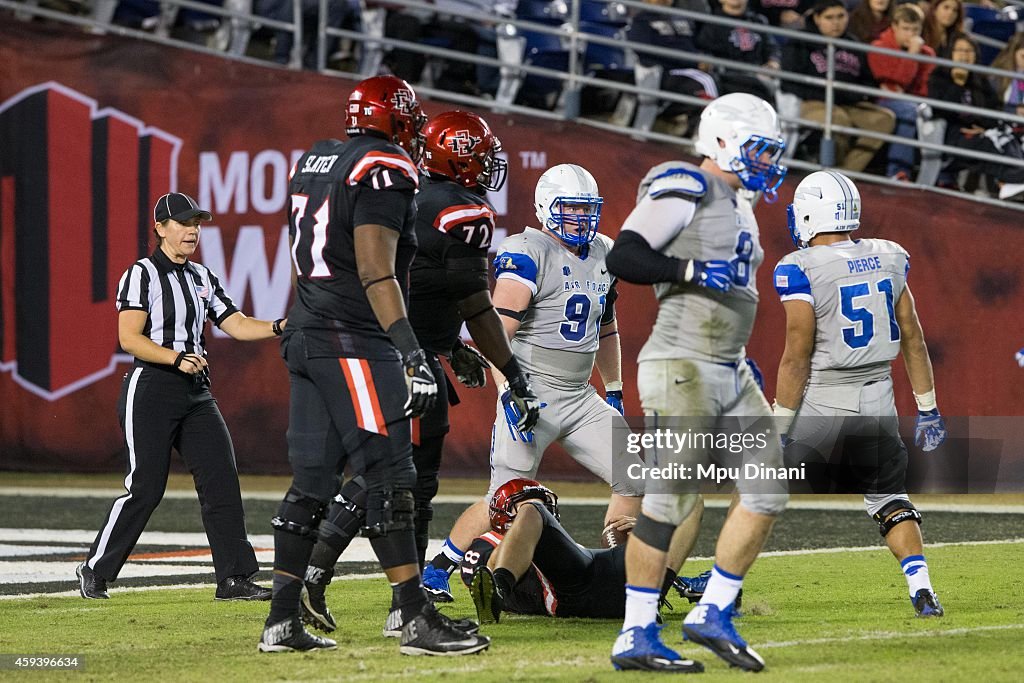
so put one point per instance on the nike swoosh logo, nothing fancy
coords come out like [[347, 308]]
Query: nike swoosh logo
[[603, 271], [734, 649], [682, 380]]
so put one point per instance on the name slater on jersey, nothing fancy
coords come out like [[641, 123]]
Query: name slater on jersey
[[315, 164], [589, 285], [863, 265]]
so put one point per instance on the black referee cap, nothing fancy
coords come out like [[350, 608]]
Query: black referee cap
[[180, 207]]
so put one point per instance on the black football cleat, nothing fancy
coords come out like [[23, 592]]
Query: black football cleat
[[431, 633], [289, 636], [91, 585], [926, 604], [314, 608], [488, 599], [241, 588], [393, 625]]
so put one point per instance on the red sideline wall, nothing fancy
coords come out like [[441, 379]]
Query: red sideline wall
[[93, 129]]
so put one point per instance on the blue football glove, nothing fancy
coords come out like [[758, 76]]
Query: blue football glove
[[522, 408], [1020, 358], [614, 399], [716, 275], [930, 431], [758, 375]]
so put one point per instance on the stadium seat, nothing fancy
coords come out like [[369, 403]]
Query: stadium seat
[[543, 50], [604, 61], [988, 23], [552, 12], [607, 13]]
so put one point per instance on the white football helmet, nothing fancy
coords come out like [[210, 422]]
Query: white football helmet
[[736, 131], [824, 201], [563, 186]]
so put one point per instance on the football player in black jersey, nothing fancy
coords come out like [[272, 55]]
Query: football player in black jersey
[[529, 564], [448, 286], [357, 372]]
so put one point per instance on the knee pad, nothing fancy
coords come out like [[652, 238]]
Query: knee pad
[[671, 508], [389, 510], [347, 512], [771, 504], [654, 533], [299, 514], [895, 512]]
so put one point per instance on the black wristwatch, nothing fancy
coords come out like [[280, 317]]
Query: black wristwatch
[[276, 327]]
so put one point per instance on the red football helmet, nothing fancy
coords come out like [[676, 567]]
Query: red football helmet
[[461, 146], [511, 493], [387, 105]]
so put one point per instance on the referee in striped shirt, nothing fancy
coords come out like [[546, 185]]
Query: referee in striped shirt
[[164, 301]]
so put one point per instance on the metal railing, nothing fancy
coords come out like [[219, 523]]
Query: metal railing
[[242, 22]]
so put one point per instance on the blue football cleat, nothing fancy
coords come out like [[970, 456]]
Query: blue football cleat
[[641, 649], [711, 627], [435, 582], [692, 588], [926, 604]]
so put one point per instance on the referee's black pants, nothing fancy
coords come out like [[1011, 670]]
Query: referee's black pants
[[160, 409]]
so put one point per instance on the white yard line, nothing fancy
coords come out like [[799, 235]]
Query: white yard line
[[463, 499], [890, 635]]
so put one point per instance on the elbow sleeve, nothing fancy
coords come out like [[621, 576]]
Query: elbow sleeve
[[633, 260]]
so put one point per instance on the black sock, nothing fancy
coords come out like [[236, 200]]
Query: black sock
[[504, 580], [321, 564], [443, 562], [291, 555], [670, 576], [408, 597]]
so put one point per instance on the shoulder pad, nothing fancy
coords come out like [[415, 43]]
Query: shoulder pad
[[385, 163], [678, 182]]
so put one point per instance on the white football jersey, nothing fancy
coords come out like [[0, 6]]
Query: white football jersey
[[854, 287]]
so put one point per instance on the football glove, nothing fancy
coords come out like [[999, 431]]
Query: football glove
[[930, 431], [469, 365], [614, 399], [419, 380], [1020, 358], [522, 408], [716, 275], [758, 375]]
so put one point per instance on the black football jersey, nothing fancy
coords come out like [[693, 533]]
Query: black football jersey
[[336, 186], [533, 593], [454, 228]]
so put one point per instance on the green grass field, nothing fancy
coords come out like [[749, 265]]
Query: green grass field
[[841, 616]]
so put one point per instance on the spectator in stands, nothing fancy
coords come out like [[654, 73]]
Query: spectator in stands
[[1011, 90], [338, 13], [869, 18], [740, 44], [784, 13], [972, 131], [943, 21], [682, 76], [446, 31], [899, 75], [830, 19]]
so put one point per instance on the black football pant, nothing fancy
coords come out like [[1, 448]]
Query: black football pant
[[587, 582], [161, 409], [427, 446]]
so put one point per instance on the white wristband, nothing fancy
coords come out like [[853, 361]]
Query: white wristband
[[783, 417], [926, 401], [613, 386]]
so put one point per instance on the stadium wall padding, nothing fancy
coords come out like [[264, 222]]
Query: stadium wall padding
[[94, 128]]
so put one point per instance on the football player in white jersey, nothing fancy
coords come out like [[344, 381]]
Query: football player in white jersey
[[849, 312], [694, 236], [556, 300]]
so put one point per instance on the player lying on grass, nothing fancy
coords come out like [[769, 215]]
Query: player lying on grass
[[529, 564]]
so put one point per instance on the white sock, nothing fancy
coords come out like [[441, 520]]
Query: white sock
[[452, 552], [641, 606], [916, 571], [722, 588]]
